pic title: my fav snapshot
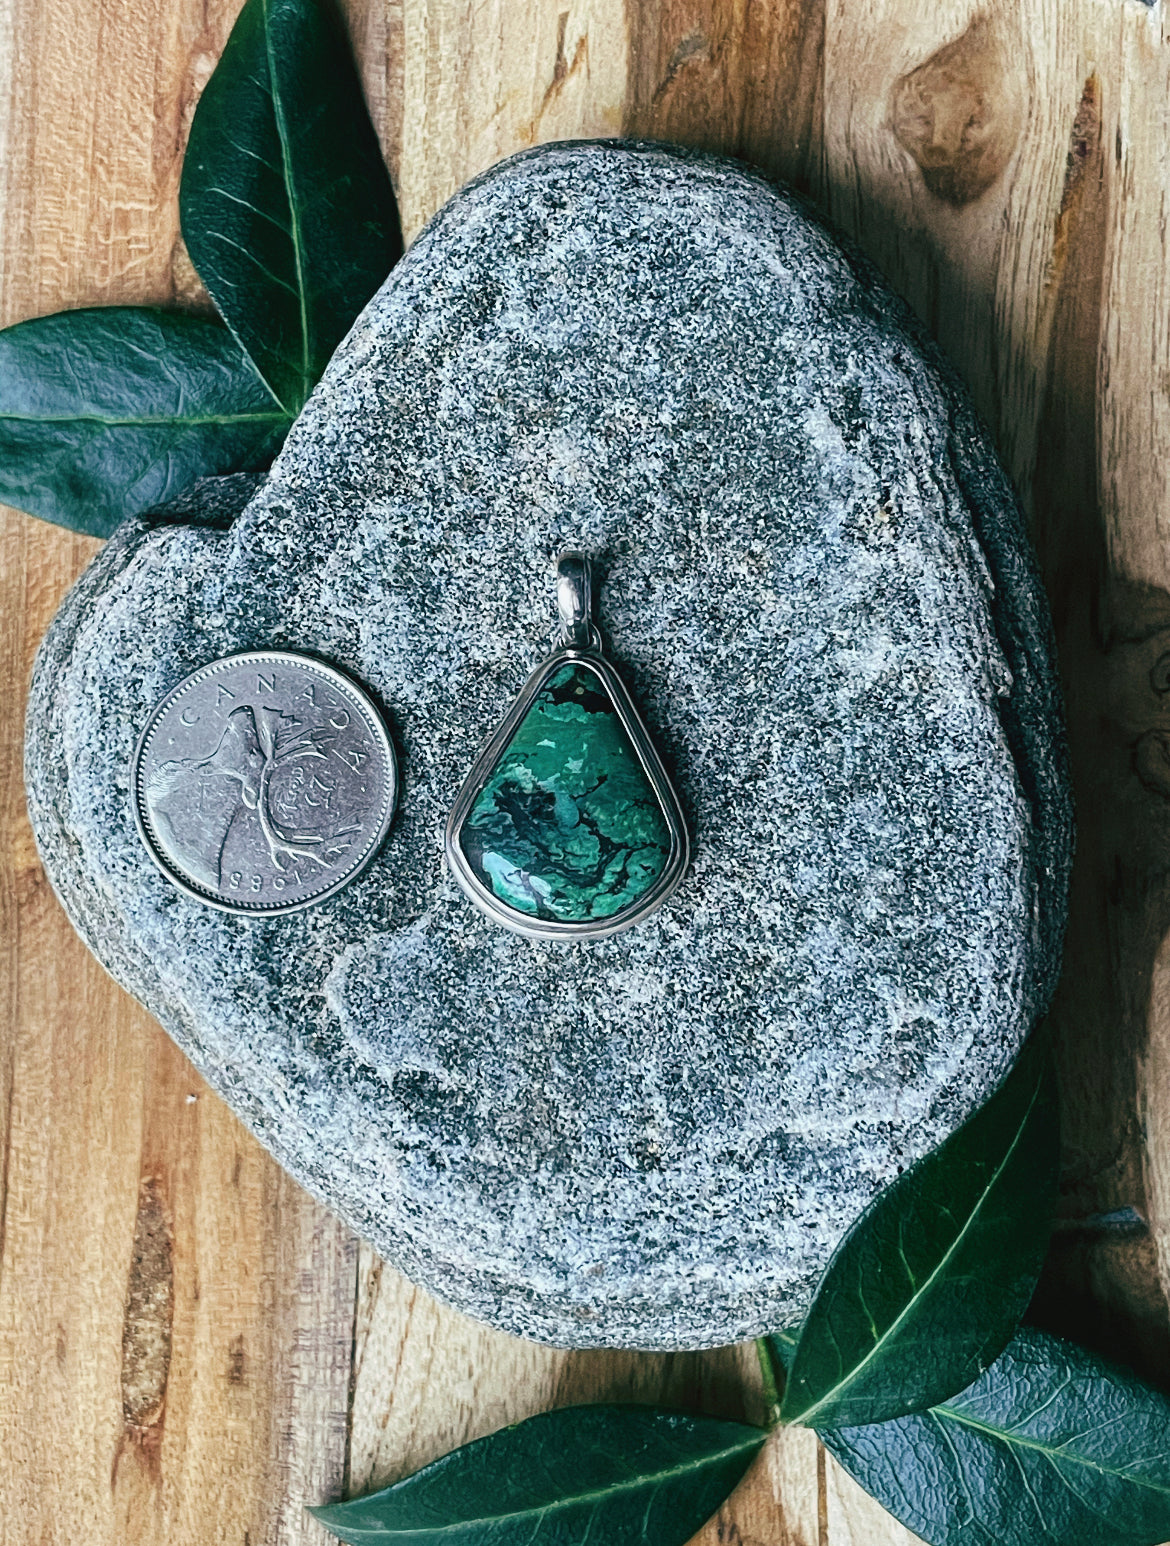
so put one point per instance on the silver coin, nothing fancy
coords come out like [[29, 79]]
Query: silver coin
[[264, 782]]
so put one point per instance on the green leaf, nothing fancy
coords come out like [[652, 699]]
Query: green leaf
[[610, 1475], [928, 1287], [1050, 1447], [287, 208], [105, 413], [782, 1346]]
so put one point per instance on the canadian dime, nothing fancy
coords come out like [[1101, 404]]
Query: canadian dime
[[264, 782]]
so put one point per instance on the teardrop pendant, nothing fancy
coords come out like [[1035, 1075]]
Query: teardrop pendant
[[567, 826]]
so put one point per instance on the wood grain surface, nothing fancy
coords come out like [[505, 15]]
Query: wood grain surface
[[190, 1348]]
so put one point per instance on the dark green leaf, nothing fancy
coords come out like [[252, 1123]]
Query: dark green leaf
[[287, 209], [928, 1287], [610, 1475], [782, 1345], [107, 412], [1050, 1447]]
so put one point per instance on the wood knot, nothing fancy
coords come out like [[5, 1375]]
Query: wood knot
[[960, 114]]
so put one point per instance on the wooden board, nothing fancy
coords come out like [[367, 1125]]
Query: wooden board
[[190, 1348]]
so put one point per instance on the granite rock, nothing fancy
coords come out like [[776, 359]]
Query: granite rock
[[813, 577]]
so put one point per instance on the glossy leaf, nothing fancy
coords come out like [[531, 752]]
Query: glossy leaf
[[1050, 1447], [928, 1287], [782, 1347], [287, 208], [107, 412], [614, 1475]]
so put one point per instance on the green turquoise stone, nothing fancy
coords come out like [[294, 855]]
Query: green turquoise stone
[[567, 827]]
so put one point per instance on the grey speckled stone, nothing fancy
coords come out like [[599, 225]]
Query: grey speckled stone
[[816, 585]]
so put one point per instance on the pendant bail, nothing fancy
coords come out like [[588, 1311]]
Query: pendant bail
[[575, 599]]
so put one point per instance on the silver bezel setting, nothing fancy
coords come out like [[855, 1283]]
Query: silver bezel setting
[[377, 727], [484, 765]]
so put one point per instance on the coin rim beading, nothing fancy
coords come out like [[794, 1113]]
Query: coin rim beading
[[380, 734]]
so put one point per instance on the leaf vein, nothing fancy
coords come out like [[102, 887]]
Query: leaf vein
[[943, 1261]]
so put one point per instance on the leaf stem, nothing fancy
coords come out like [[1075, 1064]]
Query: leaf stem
[[768, 1376]]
